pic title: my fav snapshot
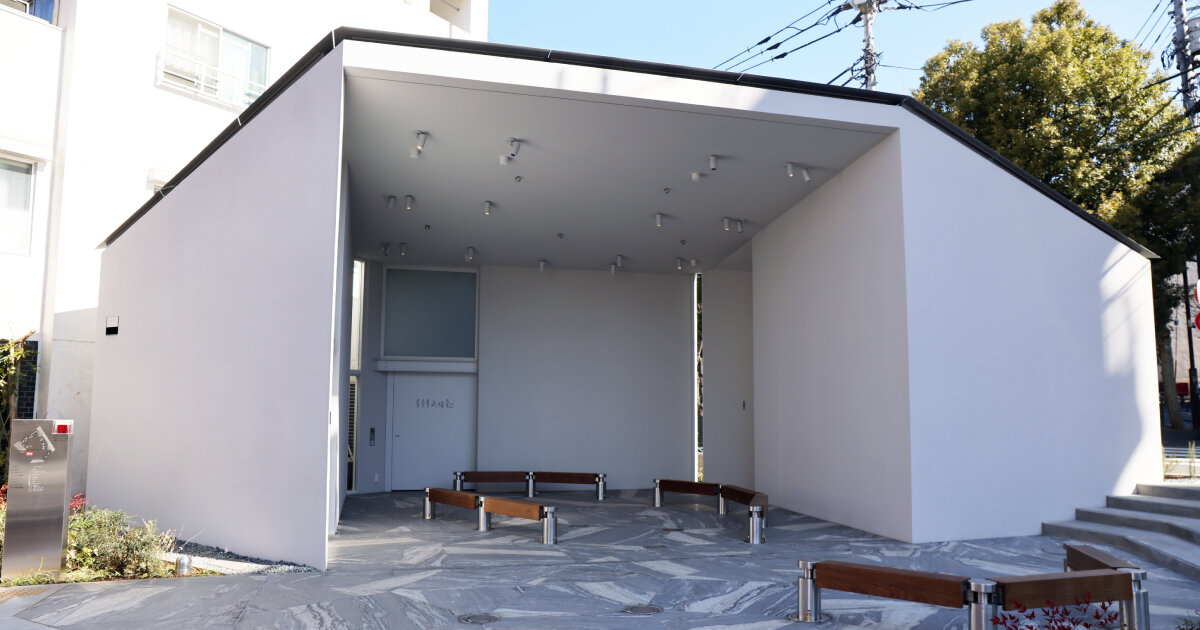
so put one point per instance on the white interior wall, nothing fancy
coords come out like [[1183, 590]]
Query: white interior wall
[[206, 294], [728, 377], [586, 371], [1031, 351], [828, 297]]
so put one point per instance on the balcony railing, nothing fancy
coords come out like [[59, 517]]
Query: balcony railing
[[186, 71]]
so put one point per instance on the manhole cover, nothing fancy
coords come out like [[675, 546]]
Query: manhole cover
[[642, 609], [479, 618]]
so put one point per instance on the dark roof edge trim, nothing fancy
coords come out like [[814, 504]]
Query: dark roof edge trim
[[338, 35], [973, 143]]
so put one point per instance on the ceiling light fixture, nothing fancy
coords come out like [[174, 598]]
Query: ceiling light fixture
[[694, 262], [542, 264], [620, 261], [409, 200], [514, 147], [725, 223], [807, 177], [487, 208], [791, 170], [391, 202], [658, 219], [679, 264], [612, 269], [421, 136], [470, 254], [385, 248], [403, 249], [712, 162], [738, 223]]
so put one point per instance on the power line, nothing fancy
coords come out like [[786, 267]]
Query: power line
[[821, 21], [772, 35], [1148, 17], [804, 45]]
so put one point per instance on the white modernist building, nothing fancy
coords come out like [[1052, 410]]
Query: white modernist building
[[100, 104], [527, 226]]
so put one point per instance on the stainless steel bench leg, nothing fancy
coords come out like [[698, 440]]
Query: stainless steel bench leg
[[549, 527], [428, 506], [981, 605], [756, 525], [657, 495], [530, 485], [458, 481], [600, 486], [485, 519], [808, 595], [1135, 613], [721, 505]]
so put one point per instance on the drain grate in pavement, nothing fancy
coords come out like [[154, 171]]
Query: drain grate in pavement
[[479, 618], [8, 594], [642, 609], [654, 546], [672, 529]]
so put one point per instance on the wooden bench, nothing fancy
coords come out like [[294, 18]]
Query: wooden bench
[[520, 509], [569, 477], [455, 498], [683, 487], [984, 598], [756, 504], [494, 476]]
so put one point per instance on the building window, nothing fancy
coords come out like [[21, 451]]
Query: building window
[[205, 59], [16, 206]]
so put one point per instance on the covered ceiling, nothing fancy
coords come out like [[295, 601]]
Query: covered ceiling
[[590, 176]]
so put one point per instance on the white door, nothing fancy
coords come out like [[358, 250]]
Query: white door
[[433, 429]]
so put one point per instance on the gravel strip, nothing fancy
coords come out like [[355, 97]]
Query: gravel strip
[[245, 565]]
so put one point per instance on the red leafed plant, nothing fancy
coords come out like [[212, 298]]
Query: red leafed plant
[[1083, 614], [78, 503], [4, 496]]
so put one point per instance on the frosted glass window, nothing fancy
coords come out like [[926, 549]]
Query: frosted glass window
[[429, 314], [16, 206]]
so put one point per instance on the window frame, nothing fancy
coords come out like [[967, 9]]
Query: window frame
[[383, 318], [199, 87], [29, 207]]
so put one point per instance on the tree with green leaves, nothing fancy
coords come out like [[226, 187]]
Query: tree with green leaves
[[1065, 99], [14, 368], [1079, 108]]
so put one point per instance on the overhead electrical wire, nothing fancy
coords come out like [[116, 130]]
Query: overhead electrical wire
[[772, 35], [1148, 18], [804, 45], [823, 20]]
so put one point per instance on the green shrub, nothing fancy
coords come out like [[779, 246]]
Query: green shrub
[[104, 542]]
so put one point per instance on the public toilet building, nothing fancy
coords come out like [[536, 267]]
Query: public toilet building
[[902, 331]]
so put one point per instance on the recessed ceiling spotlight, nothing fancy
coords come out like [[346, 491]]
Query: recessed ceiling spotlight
[[421, 136], [712, 162], [403, 249], [658, 219], [487, 208], [470, 254], [409, 200]]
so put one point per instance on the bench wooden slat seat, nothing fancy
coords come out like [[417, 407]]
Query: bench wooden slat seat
[[585, 478], [684, 487], [1033, 591], [455, 498], [493, 476], [1087, 558], [518, 508], [939, 589]]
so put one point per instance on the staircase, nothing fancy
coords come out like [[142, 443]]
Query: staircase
[[1160, 522]]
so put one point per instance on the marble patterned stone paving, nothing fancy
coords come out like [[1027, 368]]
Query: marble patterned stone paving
[[389, 568]]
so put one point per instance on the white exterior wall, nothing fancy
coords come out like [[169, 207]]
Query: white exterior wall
[[1031, 351], [586, 371], [30, 53], [829, 291], [119, 129], [230, 280], [728, 377]]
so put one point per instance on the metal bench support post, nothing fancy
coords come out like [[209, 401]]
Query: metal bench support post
[[429, 510], [458, 481], [720, 504], [982, 605], [530, 485], [600, 486], [549, 526], [485, 519], [808, 595], [756, 525], [657, 494], [1135, 613]]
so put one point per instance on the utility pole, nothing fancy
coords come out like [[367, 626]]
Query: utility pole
[[1183, 61], [870, 60]]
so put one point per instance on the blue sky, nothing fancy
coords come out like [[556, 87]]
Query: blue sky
[[703, 33]]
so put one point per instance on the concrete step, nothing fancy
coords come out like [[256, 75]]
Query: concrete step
[[1159, 505], [1163, 549], [1187, 529], [1188, 491]]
